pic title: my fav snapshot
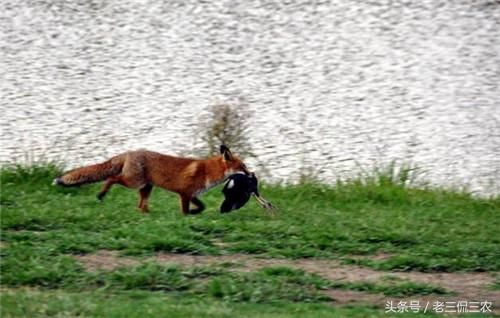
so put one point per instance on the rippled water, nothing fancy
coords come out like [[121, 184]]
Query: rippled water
[[333, 85]]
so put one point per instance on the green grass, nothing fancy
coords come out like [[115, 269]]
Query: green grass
[[400, 289], [423, 228], [36, 303]]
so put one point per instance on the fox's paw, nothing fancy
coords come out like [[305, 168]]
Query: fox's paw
[[100, 196]]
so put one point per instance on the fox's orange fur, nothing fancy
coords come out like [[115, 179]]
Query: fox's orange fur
[[144, 169]]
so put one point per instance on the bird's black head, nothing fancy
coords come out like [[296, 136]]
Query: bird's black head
[[253, 184]]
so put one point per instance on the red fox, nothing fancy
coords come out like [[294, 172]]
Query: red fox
[[144, 169]]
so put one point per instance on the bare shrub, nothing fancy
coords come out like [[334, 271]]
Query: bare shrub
[[226, 124]]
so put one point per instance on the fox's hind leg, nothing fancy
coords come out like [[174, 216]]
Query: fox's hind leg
[[121, 180], [145, 192], [107, 185]]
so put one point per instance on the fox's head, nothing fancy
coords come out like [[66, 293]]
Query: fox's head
[[232, 163]]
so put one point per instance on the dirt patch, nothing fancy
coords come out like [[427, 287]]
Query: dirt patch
[[105, 260], [465, 286], [382, 256]]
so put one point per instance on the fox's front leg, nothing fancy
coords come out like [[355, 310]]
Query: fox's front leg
[[199, 206], [186, 199]]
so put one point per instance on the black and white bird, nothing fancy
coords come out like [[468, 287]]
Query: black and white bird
[[238, 190]]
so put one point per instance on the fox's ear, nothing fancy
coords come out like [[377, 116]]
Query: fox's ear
[[226, 153]]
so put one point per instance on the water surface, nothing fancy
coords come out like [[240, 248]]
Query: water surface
[[336, 86]]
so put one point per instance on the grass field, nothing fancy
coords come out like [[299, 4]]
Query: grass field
[[64, 253]]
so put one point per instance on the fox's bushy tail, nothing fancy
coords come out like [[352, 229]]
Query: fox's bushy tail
[[89, 174]]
